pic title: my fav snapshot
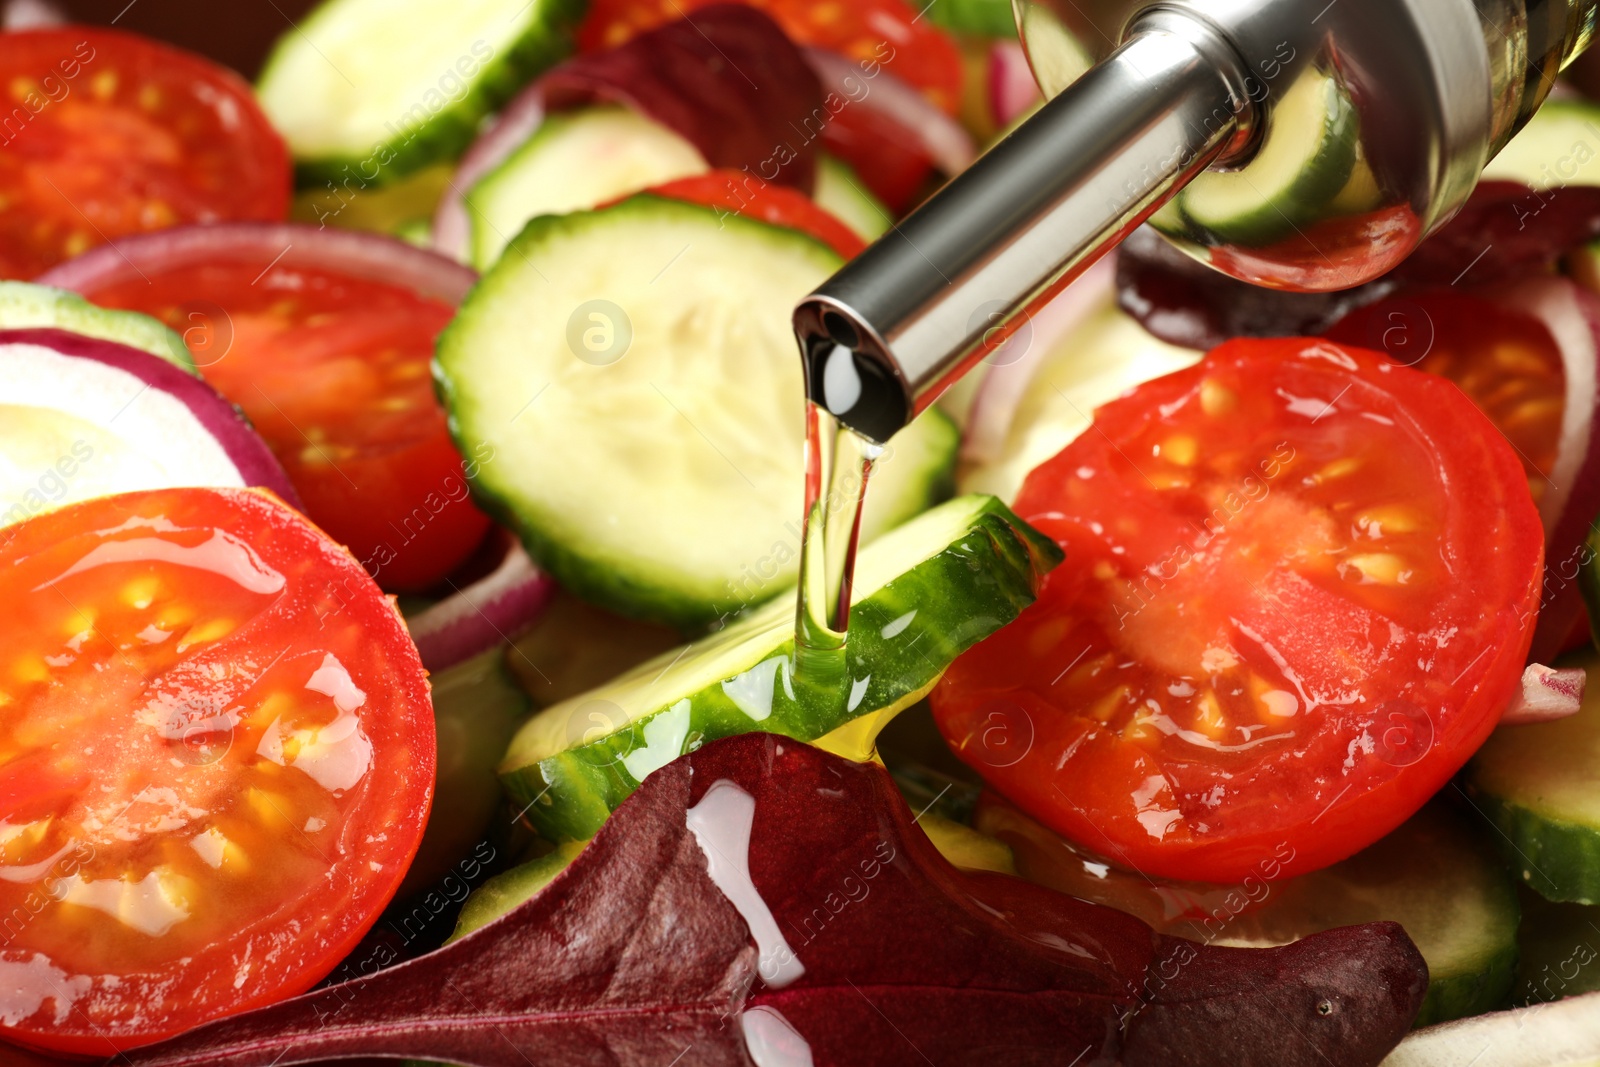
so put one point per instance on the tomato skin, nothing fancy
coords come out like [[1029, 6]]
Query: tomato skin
[[1505, 360], [311, 604], [1270, 596], [106, 134], [890, 162], [333, 371], [744, 194]]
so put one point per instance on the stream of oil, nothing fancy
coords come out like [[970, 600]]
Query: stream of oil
[[838, 466]]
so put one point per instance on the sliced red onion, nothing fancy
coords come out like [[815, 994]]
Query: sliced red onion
[[1546, 694], [940, 137], [677, 75], [1006, 380], [1572, 497], [485, 614], [452, 227], [1012, 88], [106, 418], [31, 15], [371, 256]]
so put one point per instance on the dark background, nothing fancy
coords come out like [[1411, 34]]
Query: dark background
[[236, 32]]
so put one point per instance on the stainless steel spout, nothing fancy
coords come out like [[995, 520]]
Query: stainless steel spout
[[1298, 144]]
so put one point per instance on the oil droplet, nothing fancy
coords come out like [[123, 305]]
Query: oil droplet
[[772, 1040], [721, 824], [841, 383]]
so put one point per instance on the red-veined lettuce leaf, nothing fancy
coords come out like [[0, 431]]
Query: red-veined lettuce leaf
[[635, 956]]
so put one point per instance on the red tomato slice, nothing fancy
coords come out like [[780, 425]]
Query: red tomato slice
[[890, 161], [230, 744], [334, 372], [104, 134], [744, 194], [1300, 583], [1505, 361], [887, 32]]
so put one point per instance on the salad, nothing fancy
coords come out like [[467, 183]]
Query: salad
[[402, 462]]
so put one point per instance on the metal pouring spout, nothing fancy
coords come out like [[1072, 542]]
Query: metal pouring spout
[[1297, 144]]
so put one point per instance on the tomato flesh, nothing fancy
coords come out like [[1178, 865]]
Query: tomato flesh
[[1507, 362], [333, 371], [1299, 585], [739, 193], [890, 160], [224, 746], [104, 134]]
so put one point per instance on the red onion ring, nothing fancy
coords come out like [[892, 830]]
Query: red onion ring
[[675, 75], [30, 15], [1572, 315], [452, 227], [940, 137], [101, 370], [485, 614], [1006, 382], [1012, 88], [1546, 694], [371, 256]]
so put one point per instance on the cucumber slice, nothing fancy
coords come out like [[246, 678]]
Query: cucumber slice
[[403, 208], [660, 477], [477, 709], [576, 646], [840, 192], [24, 306], [986, 18], [376, 90], [1544, 1035], [1558, 950], [1559, 146], [927, 790], [1056, 55], [1540, 785], [1434, 875], [505, 891], [1097, 362], [924, 593], [965, 847], [574, 160], [1304, 161]]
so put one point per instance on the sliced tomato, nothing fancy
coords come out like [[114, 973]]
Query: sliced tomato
[[886, 32], [105, 134], [891, 161], [744, 194], [334, 372], [231, 744], [1506, 361], [1299, 585]]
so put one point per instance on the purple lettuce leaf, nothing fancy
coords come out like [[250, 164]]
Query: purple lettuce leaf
[[725, 78], [852, 942]]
